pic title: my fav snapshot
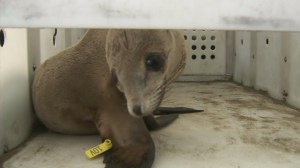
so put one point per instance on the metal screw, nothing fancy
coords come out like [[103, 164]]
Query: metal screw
[[285, 93], [34, 67]]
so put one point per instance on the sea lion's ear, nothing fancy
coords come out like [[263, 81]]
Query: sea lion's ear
[[112, 48], [118, 39], [115, 81]]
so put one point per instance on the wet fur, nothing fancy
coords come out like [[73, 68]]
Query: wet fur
[[74, 93]]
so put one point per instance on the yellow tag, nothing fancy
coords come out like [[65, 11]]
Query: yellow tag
[[97, 150]]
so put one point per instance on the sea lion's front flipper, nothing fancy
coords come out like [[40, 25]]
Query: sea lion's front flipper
[[132, 145], [133, 156], [175, 110], [155, 123]]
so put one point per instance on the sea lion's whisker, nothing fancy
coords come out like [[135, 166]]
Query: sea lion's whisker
[[155, 98], [167, 93]]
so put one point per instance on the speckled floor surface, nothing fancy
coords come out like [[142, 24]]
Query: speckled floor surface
[[240, 128]]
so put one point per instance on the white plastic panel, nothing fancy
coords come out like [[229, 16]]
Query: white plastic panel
[[24, 49], [74, 35], [242, 73], [269, 63], [293, 69], [50, 46], [63, 39], [15, 107], [189, 14], [245, 58], [206, 52], [259, 61], [34, 55], [230, 52]]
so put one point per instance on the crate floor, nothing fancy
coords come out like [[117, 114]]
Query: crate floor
[[240, 128]]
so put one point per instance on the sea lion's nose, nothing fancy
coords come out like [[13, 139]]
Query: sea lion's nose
[[137, 110]]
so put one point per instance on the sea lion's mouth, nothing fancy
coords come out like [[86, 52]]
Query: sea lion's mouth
[[141, 110], [137, 111], [146, 105]]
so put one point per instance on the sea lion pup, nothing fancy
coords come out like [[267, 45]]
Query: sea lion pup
[[106, 83]]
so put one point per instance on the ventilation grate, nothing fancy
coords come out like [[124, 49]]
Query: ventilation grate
[[206, 52]]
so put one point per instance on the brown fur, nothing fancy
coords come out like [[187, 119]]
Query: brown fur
[[128, 48], [74, 93]]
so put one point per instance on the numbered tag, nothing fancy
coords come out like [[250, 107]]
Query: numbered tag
[[99, 149]]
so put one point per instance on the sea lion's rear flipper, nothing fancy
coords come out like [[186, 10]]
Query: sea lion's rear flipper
[[155, 123], [175, 110], [167, 116]]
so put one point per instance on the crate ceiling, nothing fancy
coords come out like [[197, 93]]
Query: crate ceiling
[[179, 14]]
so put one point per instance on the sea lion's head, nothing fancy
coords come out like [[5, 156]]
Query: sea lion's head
[[143, 63]]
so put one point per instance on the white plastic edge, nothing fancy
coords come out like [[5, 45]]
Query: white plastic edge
[[175, 14]]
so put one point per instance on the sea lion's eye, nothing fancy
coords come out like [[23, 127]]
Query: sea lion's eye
[[155, 61]]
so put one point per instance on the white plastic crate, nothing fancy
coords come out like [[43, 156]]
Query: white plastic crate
[[266, 61], [246, 47]]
